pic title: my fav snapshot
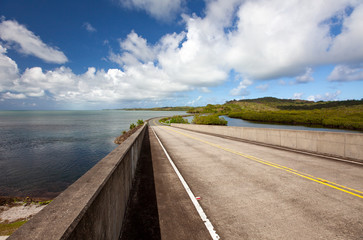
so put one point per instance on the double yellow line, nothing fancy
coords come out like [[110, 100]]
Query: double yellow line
[[325, 182]]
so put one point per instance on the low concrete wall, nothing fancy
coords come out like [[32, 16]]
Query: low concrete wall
[[345, 145], [94, 206]]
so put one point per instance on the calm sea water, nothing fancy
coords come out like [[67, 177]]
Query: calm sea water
[[43, 152]]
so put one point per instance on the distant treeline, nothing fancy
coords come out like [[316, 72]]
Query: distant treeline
[[334, 114], [181, 109], [332, 118]]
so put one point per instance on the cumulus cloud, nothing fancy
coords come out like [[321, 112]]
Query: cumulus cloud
[[305, 78], [345, 73], [241, 89], [135, 50], [193, 102], [8, 70], [112, 85], [193, 63], [325, 97], [89, 27], [258, 40], [9, 95], [28, 43], [159, 9], [283, 37], [205, 90], [298, 95]]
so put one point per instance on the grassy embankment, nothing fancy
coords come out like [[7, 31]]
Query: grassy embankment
[[334, 114], [7, 229], [174, 119], [125, 134], [212, 119]]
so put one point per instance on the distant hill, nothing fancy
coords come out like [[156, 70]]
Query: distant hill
[[296, 104]]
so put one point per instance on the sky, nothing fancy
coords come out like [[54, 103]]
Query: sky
[[105, 54]]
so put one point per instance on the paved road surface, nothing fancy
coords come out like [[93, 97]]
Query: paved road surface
[[253, 192]]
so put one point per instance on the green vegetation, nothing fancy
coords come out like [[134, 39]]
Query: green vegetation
[[174, 119], [209, 120], [181, 109], [132, 126], [139, 122], [8, 228], [45, 202], [334, 114]]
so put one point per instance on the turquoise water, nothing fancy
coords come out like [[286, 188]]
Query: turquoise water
[[43, 152]]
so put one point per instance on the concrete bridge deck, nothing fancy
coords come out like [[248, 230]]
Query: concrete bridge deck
[[147, 188], [251, 192]]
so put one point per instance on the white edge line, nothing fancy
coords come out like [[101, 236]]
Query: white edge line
[[202, 215]]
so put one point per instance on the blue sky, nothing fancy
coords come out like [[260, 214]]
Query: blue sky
[[147, 53]]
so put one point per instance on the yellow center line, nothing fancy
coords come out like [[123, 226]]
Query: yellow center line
[[339, 187]]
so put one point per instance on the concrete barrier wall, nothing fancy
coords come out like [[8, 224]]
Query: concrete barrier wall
[[94, 206], [346, 145]]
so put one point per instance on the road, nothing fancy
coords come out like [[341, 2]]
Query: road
[[252, 192]]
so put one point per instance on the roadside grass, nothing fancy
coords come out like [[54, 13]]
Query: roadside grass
[[132, 129], [174, 119], [7, 229], [209, 120]]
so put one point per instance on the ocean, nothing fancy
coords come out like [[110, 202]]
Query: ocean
[[43, 152]]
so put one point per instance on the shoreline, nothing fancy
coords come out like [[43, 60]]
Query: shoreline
[[16, 211]]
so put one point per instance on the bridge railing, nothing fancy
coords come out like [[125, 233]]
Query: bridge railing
[[337, 144], [94, 206]]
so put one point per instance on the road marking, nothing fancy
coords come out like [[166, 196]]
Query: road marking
[[337, 186], [200, 211]]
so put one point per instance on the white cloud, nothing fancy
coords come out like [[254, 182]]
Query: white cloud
[[193, 63], [298, 95], [28, 43], [135, 50], [192, 103], [205, 90], [344, 73], [265, 39], [305, 78], [257, 39], [89, 27], [97, 85], [281, 38], [9, 95], [345, 47], [8, 70], [325, 97], [159, 9], [241, 90]]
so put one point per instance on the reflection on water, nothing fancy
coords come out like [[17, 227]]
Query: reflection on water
[[42, 153], [235, 122]]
